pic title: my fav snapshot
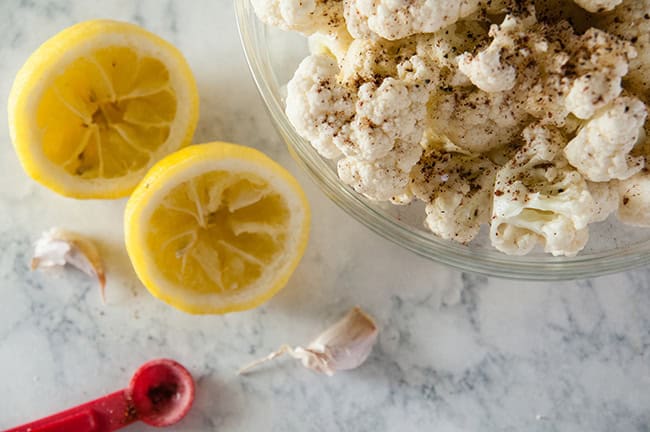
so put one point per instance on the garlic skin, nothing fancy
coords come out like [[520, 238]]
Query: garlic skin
[[58, 247], [343, 346]]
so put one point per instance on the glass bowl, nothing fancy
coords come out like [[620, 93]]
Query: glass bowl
[[273, 56]]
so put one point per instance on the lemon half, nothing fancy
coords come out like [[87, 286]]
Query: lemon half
[[216, 228], [95, 106]]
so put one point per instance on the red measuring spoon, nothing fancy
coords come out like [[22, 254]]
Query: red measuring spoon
[[160, 393]]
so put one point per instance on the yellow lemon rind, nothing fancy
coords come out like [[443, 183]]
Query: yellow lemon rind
[[42, 65], [169, 172]]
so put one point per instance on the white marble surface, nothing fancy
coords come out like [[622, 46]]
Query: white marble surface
[[456, 352]]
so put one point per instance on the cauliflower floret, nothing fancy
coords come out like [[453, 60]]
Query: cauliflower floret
[[317, 106], [384, 138], [475, 120], [334, 44], [392, 112], [600, 150], [601, 60], [457, 190], [304, 16], [368, 60], [539, 198], [441, 49], [487, 70], [397, 19], [598, 5], [377, 126], [631, 21], [634, 202], [381, 179], [605, 197]]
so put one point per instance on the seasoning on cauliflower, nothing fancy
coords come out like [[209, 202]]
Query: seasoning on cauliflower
[[605, 197], [377, 125], [334, 44], [475, 120], [369, 60], [601, 60], [634, 203], [303, 16], [539, 198], [318, 106], [388, 78], [442, 47], [598, 5], [384, 138], [488, 69], [381, 179], [631, 21], [457, 190], [397, 19], [600, 150]]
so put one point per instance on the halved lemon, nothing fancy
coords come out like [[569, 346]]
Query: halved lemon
[[95, 106], [216, 228]]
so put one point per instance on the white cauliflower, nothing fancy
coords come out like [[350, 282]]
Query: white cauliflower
[[369, 60], [600, 150], [539, 198], [475, 120], [605, 197], [634, 203], [335, 43], [381, 179], [488, 69], [441, 49], [318, 106], [377, 125], [457, 190], [631, 21], [391, 112], [600, 60], [303, 16], [397, 19], [383, 143], [598, 5]]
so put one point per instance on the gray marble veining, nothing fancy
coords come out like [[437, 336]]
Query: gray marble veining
[[456, 352]]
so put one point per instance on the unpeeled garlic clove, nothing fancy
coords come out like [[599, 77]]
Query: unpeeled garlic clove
[[58, 247], [343, 346]]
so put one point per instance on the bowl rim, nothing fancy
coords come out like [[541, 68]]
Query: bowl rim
[[485, 262]]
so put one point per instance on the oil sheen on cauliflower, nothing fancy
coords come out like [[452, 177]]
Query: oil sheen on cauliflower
[[540, 199], [606, 199], [598, 5], [634, 201], [600, 150], [475, 120], [457, 189]]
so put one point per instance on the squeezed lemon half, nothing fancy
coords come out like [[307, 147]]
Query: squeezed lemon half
[[95, 106], [216, 228]]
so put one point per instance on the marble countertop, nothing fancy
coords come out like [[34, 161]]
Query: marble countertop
[[456, 352]]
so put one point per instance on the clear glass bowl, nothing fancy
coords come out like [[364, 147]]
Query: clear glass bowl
[[273, 56]]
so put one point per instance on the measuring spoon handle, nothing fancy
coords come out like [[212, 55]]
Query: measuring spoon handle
[[106, 414]]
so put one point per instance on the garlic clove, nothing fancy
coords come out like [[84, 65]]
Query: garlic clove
[[58, 248], [343, 346]]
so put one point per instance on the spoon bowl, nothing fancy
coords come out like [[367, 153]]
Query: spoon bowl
[[162, 392]]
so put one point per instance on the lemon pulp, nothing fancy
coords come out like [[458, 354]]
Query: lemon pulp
[[216, 228], [207, 234], [106, 114]]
